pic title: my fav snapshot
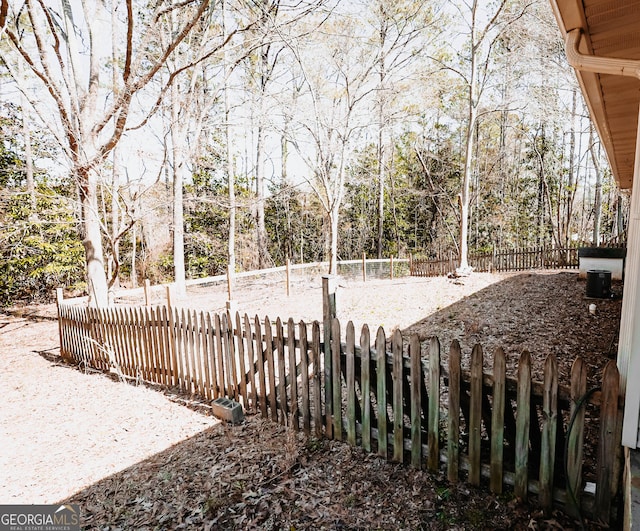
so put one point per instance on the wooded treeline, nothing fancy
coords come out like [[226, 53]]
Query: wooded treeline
[[171, 141]]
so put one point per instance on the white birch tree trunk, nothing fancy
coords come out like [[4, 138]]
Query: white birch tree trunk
[[468, 166], [179, 166]]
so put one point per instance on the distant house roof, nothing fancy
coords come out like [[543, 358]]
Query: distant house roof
[[610, 29]]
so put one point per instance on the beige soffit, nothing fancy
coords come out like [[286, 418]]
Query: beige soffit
[[603, 44]]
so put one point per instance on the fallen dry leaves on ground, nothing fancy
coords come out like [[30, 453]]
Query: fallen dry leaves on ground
[[259, 475]]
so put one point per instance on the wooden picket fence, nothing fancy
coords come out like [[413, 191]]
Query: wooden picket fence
[[398, 401], [522, 259], [433, 267]]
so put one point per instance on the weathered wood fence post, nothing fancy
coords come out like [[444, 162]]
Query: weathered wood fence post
[[59, 300], [288, 277], [328, 314], [147, 292]]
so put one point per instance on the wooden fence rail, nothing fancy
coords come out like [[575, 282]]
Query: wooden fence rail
[[500, 260], [391, 396]]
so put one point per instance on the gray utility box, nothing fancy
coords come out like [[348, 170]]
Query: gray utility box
[[227, 409], [602, 258]]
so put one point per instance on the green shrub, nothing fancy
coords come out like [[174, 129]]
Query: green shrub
[[41, 250]]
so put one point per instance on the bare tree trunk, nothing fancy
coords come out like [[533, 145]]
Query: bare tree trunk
[[381, 147], [334, 216], [472, 112], [231, 244], [92, 240], [134, 248], [114, 257], [466, 179], [570, 194], [597, 200], [381, 183], [177, 146], [261, 232]]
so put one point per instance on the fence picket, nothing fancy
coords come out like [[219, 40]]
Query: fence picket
[[167, 345], [114, 327], [381, 387], [251, 362], [173, 348], [185, 346], [416, 420], [282, 376], [240, 350], [261, 370], [198, 324], [433, 440], [316, 381], [365, 386], [336, 383], [141, 330], [205, 354], [109, 354], [130, 343], [497, 421], [73, 334], [229, 345], [159, 330], [397, 379], [154, 345], [101, 338], [179, 351], [120, 322], [190, 351], [523, 421], [94, 337], [475, 415], [576, 436], [293, 373], [350, 354], [211, 355], [271, 372], [609, 442], [220, 355], [549, 428], [453, 434], [304, 378], [137, 352]]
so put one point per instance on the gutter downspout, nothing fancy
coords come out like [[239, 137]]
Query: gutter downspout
[[598, 65], [629, 340]]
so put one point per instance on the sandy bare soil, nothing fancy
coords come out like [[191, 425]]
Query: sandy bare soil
[[135, 458], [62, 429]]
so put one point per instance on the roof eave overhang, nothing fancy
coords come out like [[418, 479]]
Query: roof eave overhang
[[570, 16]]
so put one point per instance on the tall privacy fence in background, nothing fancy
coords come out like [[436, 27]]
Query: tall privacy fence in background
[[389, 395], [503, 260], [499, 260]]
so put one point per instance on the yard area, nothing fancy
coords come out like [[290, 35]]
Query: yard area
[[135, 458]]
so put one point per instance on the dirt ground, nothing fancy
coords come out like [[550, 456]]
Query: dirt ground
[[136, 458]]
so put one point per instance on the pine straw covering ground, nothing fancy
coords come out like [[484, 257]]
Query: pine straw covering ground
[[260, 475]]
